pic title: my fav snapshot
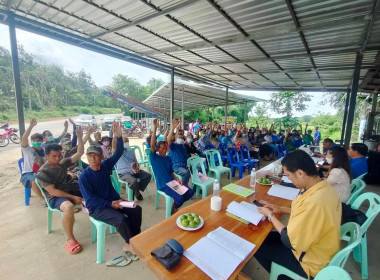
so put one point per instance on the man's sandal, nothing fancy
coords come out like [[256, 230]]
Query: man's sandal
[[73, 248], [132, 256], [119, 261]]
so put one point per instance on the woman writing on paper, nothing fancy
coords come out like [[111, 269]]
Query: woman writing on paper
[[312, 237]]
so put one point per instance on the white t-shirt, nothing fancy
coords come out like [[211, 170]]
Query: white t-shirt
[[340, 181], [268, 139], [29, 157]]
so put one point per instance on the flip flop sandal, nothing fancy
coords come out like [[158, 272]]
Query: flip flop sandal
[[119, 261], [132, 256], [72, 247]]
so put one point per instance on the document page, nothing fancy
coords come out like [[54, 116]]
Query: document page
[[249, 214], [180, 189], [283, 192]]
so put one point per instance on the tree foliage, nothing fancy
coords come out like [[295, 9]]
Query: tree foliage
[[284, 102]]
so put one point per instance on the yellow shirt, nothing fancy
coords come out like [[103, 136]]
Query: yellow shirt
[[314, 227]]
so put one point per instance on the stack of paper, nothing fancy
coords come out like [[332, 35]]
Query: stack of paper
[[283, 192], [219, 253], [245, 211]]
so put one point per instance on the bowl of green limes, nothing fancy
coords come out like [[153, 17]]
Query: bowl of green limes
[[190, 221], [264, 181]]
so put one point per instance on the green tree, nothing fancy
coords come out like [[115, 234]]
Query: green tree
[[284, 102], [129, 87], [152, 85]]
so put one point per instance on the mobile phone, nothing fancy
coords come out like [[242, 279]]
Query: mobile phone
[[258, 204]]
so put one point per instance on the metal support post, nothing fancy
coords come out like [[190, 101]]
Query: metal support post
[[16, 73], [245, 112], [371, 116], [345, 115], [182, 108], [354, 91], [172, 94], [226, 110]]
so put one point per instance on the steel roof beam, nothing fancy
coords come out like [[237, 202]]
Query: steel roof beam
[[303, 39], [368, 30], [244, 33], [143, 19]]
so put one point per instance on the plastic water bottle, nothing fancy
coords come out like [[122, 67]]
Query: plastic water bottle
[[216, 188], [252, 181]]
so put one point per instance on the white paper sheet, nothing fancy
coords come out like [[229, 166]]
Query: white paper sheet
[[249, 214], [180, 189], [285, 179], [283, 192]]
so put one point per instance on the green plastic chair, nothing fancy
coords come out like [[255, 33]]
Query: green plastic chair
[[117, 181], [361, 176], [360, 252], [339, 259], [168, 201], [217, 169], [357, 185], [195, 162], [147, 152], [50, 209], [145, 146], [142, 160], [333, 273], [98, 235]]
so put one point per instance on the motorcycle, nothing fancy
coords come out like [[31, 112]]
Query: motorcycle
[[7, 134], [133, 131]]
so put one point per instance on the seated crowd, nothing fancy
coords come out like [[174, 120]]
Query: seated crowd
[[66, 181]]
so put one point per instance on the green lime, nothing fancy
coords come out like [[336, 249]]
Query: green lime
[[183, 217], [191, 218], [197, 220], [185, 223], [196, 215], [261, 180], [192, 224]]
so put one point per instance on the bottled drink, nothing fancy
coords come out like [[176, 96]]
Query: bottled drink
[[216, 188], [252, 181]]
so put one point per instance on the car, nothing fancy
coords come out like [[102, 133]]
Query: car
[[107, 121], [85, 120], [125, 119]]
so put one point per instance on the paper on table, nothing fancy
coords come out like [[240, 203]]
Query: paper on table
[[283, 192], [250, 214], [285, 179], [180, 189]]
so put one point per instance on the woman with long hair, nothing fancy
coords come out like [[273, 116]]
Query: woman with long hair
[[339, 175]]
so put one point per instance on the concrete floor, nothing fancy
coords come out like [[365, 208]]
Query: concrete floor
[[28, 252]]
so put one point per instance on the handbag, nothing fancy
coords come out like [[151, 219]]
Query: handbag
[[168, 256]]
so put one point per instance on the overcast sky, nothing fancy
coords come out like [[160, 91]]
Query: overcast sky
[[102, 68]]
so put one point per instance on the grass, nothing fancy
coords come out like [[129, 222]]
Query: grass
[[57, 112]]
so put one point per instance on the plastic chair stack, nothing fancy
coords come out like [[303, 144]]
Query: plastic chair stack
[[360, 252], [223, 153], [28, 192], [234, 162], [194, 163], [213, 157]]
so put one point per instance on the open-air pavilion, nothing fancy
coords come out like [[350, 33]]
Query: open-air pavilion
[[253, 45], [290, 45]]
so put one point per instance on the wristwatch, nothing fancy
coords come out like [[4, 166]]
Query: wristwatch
[[270, 217]]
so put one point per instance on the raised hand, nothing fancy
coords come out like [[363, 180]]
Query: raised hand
[[33, 122], [66, 124], [155, 123], [79, 132], [116, 128], [91, 130]]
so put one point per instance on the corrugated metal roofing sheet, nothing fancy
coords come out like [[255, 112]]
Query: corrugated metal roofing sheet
[[246, 43]]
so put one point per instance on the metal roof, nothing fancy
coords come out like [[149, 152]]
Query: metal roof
[[196, 96], [299, 45]]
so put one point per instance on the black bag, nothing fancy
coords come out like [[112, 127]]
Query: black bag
[[166, 256], [352, 215]]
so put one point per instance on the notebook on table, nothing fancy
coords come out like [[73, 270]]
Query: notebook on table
[[219, 253], [239, 190]]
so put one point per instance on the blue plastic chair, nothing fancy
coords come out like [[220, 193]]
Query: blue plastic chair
[[360, 252], [50, 209], [28, 192], [98, 235], [234, 162], [349, 229], [281, 151], [244, 151]]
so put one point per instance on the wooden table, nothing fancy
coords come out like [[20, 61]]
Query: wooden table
[[150, 239]]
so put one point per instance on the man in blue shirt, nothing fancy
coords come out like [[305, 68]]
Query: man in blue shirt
[[297, 140], [358, 152], [164, 173], [102, 201], [317, 136], [128, 169], [178, 152]]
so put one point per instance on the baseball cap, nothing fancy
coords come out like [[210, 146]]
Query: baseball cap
[[94, 149], [65, 141]]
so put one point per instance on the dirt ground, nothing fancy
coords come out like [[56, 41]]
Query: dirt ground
[[28, 252]]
